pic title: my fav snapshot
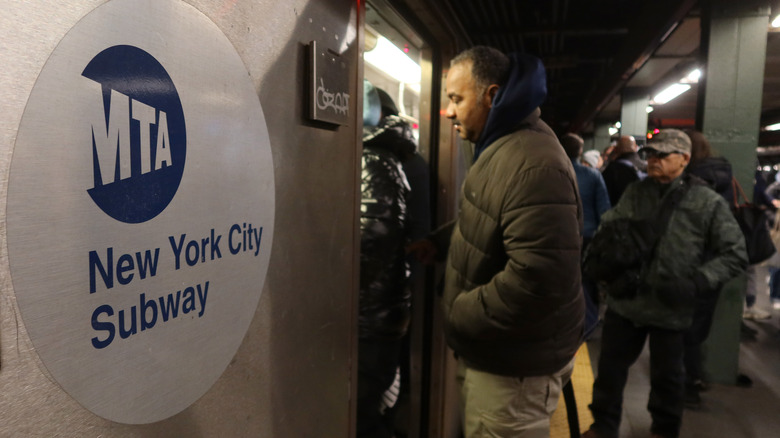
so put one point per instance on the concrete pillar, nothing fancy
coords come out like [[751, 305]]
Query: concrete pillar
[[601, 137], [734, 42], [734, 46], [633, 113]]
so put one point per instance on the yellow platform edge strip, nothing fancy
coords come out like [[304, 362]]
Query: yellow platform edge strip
[[582, 380]]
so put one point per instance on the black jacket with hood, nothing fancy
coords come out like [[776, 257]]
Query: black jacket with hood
[[385, 298], [716, 172]]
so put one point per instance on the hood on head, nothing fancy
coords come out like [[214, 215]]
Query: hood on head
[[524, 91]]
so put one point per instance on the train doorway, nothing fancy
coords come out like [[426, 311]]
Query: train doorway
[[403, 63]]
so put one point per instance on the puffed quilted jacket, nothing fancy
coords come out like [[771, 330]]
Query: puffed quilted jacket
[[385, 298], [512, 295]]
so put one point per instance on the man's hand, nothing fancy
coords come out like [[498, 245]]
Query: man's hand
[[423, 250], [682, 292]]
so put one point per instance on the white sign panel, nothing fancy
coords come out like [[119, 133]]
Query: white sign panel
[[140, 209]]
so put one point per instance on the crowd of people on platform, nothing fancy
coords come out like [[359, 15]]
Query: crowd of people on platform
[[549, 241]]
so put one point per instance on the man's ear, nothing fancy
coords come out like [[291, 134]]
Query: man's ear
[[490, 94]]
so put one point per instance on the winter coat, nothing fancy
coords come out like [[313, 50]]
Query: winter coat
[[595, 200], [512, 300], [619, 173], [384, 307], [701, 248], [716, 172]]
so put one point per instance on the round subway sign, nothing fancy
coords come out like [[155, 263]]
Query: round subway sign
[[140, 209]]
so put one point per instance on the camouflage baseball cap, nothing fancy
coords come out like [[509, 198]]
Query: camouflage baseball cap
[[670, 140]]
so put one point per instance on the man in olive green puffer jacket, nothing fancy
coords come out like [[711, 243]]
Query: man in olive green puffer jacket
[[701, 248], [512, 299]]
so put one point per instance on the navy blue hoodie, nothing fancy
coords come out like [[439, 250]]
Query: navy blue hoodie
[[524, 90]]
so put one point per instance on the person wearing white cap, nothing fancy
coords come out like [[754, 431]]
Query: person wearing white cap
[[592, 159]]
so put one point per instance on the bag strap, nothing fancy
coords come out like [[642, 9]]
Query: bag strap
[[738, 188], [665, 211]]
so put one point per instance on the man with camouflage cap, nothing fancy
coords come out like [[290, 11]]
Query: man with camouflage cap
[[698, 249]]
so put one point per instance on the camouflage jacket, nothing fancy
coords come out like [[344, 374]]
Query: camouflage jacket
[[701, 239]]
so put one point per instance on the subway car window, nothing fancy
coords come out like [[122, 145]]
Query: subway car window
[[396, 71]]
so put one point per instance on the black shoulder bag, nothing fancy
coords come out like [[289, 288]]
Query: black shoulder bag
[[621, 248], [753, 222]]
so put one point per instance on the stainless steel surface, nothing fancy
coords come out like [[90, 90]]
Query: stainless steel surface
[[291, 374]]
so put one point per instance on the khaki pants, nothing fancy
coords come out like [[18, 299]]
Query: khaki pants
[[509, 407]]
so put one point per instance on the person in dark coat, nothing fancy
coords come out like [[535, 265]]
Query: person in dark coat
[[716, 172], [414, 166], [595, 201], [624, 167], [384, 305], [419, 225], [699, 247]]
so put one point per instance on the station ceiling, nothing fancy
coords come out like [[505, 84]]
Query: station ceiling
[[593, 49]]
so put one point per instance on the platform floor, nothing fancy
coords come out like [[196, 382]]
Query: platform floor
[[582, 380], [727, 410]]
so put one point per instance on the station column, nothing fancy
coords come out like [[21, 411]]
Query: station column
[[733, 45], [601, 137], [633, 113]]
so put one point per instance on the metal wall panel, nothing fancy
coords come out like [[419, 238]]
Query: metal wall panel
[[291, 376]]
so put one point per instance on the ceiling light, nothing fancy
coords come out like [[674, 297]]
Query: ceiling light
[[774, 127], [776, 21], [649, 109], [618, 125], [391, 60], [670, 93], [613, 130], [694, 76]]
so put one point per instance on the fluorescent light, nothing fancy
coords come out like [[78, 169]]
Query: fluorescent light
[[391, 60], [774, 127], [694, 76], [670, 93], [776, 21]]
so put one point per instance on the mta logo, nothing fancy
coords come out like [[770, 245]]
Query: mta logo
[[139, 139]]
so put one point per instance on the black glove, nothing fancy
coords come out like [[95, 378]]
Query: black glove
[[682, 292]]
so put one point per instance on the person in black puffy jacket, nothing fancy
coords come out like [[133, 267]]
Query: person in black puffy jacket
[[716, 172], [384, 308]]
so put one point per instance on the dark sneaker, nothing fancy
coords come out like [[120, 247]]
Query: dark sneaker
[[590, 433], [692, 397], [701, 385]]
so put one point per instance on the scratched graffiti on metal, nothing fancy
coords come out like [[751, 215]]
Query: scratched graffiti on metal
[[326, 99]]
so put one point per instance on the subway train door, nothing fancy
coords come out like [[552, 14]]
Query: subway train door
[[402, 63]]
